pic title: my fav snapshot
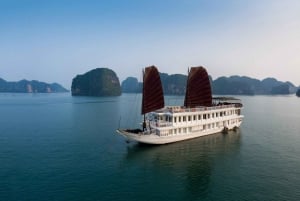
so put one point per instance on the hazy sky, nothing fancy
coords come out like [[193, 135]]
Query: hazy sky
[[55, 40]]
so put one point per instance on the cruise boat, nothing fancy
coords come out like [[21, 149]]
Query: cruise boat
[[200, 115]]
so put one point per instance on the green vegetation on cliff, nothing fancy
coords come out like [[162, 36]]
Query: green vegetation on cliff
[[131, 85], [173, 84], [97, 82]]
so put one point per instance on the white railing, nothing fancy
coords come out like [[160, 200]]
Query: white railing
[[199, 109], [161, 124]]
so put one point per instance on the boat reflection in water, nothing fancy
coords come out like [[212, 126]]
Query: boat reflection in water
[[185, 167]]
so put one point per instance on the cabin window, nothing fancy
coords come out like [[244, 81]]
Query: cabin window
[[184, 118], [204, 116], [179, 130], [221, 114], [217, 114], [189, 117], [194, 117], [184, 130], [179, 120], [170, 132], [175, 131], [175, 119], [199, 117], [213, 115], [170, 119]]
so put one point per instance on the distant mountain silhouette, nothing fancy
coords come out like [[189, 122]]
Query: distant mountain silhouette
[[298, 92], [97, 82], [173, 84], [34, 86], [233, 85], [236, 85], [131, 85]]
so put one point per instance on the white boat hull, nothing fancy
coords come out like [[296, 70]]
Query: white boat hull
[[153, 138], [173, 123]]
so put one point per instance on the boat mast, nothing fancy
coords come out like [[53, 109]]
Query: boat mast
[[144, 123], [186, 88]]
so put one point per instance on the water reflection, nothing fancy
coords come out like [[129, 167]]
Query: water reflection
[[190, 162]]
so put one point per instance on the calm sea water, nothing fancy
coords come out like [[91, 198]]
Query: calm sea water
[[58, 147]]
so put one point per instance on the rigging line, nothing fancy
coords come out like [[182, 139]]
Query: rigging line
[[135, 110], [126, 114], [137, 106], [140, 102], [120, 122], [129, 110]]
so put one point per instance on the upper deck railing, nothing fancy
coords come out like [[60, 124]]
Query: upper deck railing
[[177, 109]]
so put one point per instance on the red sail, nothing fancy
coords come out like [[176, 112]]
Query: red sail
[[153, 97], [198, 92]]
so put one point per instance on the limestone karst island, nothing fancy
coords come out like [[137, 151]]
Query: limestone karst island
[[233, 85], [25, 86], [97, 82]]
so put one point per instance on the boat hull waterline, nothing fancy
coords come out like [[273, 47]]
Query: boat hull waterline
[[155, 139], [164, 132]]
